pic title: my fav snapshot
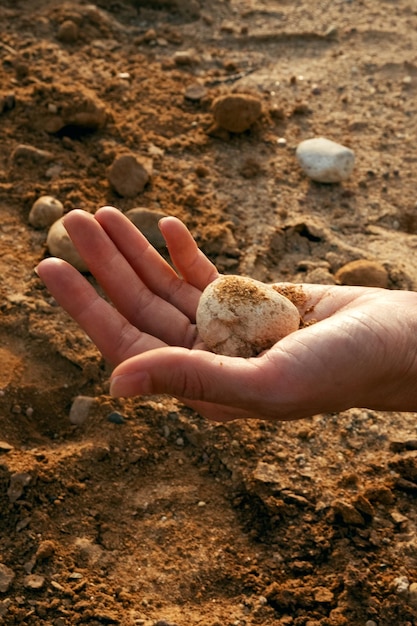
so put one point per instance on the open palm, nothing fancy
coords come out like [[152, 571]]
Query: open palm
[[361, 350]]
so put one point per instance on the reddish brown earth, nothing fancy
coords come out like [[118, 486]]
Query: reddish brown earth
[[166, 518]]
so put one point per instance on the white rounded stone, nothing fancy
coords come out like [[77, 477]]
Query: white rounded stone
[[325, 161], [45, 211], [60, 245], [240, 316]]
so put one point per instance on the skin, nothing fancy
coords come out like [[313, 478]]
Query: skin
[[361, 352]]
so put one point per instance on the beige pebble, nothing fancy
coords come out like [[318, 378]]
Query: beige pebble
[[81, 409], [129, 175], [45, 211], [240, 316], [60, 245], [236, 112], [34, 582], [24, 153], [413, 594], [363, 273]]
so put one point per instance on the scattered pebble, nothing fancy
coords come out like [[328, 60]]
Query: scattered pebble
[[116, 418], [236, 112], [147, 222], [129, 175], [68, 32], [80, 409], [348, 513], [5, 447], [363, 273], [60, 245], [186, 57], [45, 211], [401, 585], [325, 161], [18, 482], [45, 551], [34, 582], [412, 591], [6, 578], [195, 92], [26, 153]]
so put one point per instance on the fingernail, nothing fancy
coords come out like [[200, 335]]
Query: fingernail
[[127, 385]]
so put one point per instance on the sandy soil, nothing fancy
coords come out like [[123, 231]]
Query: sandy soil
[[164, 518]]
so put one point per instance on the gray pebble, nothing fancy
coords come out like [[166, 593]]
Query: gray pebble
[[325, 161], [60, 245], [6, 578], [18, 483], [45, 211], [81, 409], [116, 418]]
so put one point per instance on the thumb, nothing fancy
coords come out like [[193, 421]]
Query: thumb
[[194, 375]]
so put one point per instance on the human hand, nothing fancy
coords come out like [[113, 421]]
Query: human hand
[[360, 351]]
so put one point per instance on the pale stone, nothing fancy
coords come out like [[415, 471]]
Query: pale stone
[[60, 245], [240, 316], [325, 161], [45, 211], [81, 409]]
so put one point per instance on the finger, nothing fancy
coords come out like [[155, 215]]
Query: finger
[[141, 307], [148, 264], [116, 339], [189, 260], [233, 387]]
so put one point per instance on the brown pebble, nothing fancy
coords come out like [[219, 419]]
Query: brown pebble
[[236, 112], [128, 175], [363, 273], [45, 550], [147, 222], [68, 32], [34, 582]]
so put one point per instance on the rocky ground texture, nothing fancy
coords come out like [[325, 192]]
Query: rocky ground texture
[[140, 512]]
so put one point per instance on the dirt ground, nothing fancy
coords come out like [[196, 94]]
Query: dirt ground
[[147, 514]]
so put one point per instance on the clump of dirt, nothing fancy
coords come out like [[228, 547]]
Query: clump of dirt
[[146, 514]]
